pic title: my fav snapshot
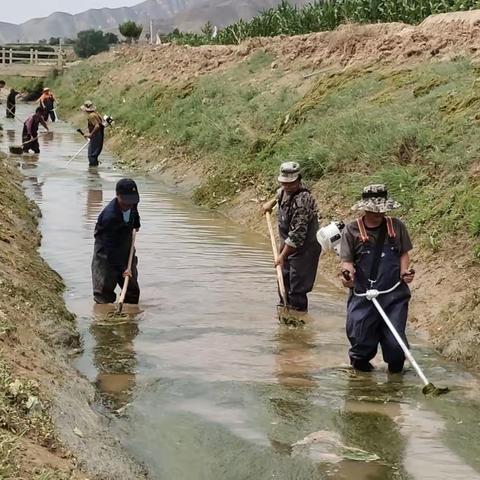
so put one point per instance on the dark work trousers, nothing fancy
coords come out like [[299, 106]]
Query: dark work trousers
[[365, 327], [299, 273], [11, 110], [95, 148], [49, 114], [106, 277], [31, 145]]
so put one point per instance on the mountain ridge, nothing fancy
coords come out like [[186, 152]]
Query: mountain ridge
[[186, 15]]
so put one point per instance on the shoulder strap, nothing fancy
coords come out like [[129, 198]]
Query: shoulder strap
[[377, 254], [390, 230], [362, 230]]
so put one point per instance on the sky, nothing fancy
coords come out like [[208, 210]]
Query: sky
[[19, 11]]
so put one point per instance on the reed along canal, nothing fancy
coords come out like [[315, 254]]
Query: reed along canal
[[204, 384]]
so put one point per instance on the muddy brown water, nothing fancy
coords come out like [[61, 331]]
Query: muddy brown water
[[206, 384]]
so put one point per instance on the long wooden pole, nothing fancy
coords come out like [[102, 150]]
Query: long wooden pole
[[281, 283], [127, 279]]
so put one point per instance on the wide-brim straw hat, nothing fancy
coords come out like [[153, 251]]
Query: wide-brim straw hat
[[88, 107], [375, 199], [46, 89]]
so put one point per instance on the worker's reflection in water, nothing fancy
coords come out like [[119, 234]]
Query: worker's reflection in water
[[115, 359], [31, 163], [11, 135], [368, 422], [295, 364], [94, 196]]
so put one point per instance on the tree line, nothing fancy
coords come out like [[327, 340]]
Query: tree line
[[91, 42]]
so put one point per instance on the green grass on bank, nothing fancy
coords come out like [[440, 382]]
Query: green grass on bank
[[415, 129]]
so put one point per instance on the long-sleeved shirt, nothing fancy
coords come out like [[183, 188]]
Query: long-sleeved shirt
[[113, 234], [32, 123], [302, 212]]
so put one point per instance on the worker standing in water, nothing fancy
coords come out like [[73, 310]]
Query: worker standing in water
[[297, 224], [113, 240], [30, 131], [47, 102], [12, 103], [96, 133], [375, 255], [2, 86]]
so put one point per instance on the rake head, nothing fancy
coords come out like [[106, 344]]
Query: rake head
[[16, 150], [432, 391]]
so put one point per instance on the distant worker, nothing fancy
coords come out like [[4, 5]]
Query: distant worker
[[12, 103], [113, 239], [375, 253], [298, 225], [96, 133], [2, 86], [30, 131], [47, 102]]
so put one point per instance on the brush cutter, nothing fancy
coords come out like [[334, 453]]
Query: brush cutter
[[127, 278], [81, 150], [284, 313], [19, 120], [429, 388], [18, 149]]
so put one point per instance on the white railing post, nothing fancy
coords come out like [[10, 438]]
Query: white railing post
[[11, 56], [3, 55], [31, 56]]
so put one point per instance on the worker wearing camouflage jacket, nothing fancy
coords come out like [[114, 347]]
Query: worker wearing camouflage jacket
[[298, 225]]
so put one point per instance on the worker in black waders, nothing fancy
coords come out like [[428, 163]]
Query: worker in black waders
[[297, 225], [113, 239], [47, 102], [375, 255], [96, 133], [12, 103], [30, 131]]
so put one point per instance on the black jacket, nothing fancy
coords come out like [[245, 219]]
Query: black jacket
[[113, 235]]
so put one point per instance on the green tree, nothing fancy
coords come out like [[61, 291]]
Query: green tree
[[130, 30], [90, 42], [54, 41], [207, 30], [112, 39]]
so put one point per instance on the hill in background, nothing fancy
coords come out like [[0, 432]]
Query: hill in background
[[186, 15]]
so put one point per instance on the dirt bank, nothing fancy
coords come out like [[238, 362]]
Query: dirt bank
[[391, 103], [45, 407]]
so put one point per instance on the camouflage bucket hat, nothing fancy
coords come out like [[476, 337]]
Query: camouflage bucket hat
[[375, 199], [289, 172]]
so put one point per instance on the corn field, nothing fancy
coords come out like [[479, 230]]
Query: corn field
[[287, 19]]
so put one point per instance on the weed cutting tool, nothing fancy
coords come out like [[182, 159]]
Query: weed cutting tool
[[81, 150], [19, 120], [18, 149], [429, 388], [127, 278], [284, 313]]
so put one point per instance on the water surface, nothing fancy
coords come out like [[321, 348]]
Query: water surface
[[207, 383]]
